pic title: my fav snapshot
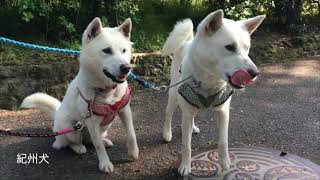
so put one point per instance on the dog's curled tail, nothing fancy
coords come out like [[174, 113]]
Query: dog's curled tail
[[42, 102], [182, 32]]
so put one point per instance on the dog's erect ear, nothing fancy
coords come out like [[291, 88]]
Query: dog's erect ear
[[211, 23], [252, 23], [125, 28], [93, 30]]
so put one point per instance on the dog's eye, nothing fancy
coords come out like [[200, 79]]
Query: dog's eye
[[231, 47], [124, 50], [107, 50]]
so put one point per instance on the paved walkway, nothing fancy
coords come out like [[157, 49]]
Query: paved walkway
[[281, 111]]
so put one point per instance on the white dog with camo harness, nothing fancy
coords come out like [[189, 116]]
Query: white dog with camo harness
[[211, 64]]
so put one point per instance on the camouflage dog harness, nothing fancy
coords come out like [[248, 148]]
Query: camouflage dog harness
[[190, 93]]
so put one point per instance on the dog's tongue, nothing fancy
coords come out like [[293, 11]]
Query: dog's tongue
[[241, 78]]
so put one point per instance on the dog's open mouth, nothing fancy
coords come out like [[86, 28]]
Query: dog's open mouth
[[236, 86], [240, 79], [117, 79]]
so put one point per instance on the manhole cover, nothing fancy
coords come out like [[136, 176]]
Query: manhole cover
[[254, 163]]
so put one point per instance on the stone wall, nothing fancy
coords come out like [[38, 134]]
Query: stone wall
[[17, 82], [276, 48]]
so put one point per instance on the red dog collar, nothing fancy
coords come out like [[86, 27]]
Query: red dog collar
[[106, 110]]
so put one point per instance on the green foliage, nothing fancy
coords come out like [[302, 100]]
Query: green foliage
[[52, 18], [129, 8], [63, 21], [145, 42], [66, 24], [30, 9], [311, 8]]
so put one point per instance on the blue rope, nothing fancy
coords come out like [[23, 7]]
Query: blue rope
[[142, 82], [37, 47]]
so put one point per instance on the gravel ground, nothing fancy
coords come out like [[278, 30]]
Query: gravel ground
[[281, 111]]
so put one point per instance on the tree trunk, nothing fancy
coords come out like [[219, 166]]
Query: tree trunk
[[318, 2], [217, 4], [279, 13], [97, 8], [294, 14], [288, 14], [111, 8]]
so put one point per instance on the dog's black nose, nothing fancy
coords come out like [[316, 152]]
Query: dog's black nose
[[125, 68], [253, 73]]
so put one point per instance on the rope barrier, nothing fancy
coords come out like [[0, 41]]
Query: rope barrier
[[142, 82], [38, 47]]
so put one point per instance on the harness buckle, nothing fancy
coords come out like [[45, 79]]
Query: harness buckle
[[161, 88], [78, 126], [89, 113]]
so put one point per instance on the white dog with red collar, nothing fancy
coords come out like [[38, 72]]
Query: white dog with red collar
[[104, 66], [216, 56]]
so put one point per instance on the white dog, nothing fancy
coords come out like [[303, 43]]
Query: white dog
[[211, 64], [96, 95]]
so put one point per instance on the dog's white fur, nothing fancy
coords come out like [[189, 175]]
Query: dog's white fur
[[93, 61], [207, 59]]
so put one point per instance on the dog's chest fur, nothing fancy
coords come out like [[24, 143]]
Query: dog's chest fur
[[207, 82], [109, 97]]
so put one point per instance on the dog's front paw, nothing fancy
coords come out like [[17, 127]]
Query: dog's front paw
[[167, 136], [107, 142], [225, 163], [106, 166], [58, 145], [184, 169], [78, 148], [133, 153], [195, 130]]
